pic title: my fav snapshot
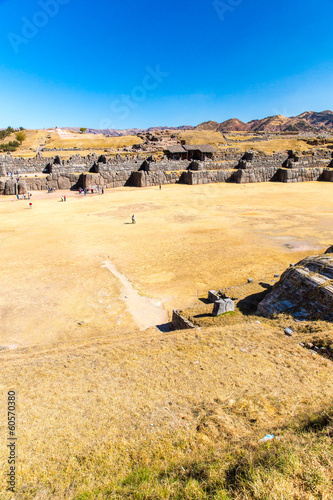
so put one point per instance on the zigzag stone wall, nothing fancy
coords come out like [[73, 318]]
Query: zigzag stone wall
[[118, 172]]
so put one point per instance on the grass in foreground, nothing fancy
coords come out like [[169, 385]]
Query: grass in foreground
[[297, 466]]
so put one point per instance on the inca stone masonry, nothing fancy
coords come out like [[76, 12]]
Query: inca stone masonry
[[19, 175]]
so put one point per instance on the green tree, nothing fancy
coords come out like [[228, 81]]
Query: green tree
[[21, 136], [82, 130]]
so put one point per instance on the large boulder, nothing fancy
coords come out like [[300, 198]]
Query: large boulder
[[101, 159], [63, 183], [48, 169], [222, 306], [305, 290], [22, 188], [10, 187], [95, 169], [248, 156]]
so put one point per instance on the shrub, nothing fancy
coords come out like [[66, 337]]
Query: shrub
[[20, 136]]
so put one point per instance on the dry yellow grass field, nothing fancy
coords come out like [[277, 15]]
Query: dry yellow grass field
[[275, 145], [202, 137], [107, 410], [90, 141], [58, 138], [217, 139], [68, 140]]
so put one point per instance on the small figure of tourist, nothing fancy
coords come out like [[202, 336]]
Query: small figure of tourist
[[133, 219], [65, 199], [30, 205], [85, 192], [102, 190], [160, 186], [92, 191], [24, 196], [17, 196]]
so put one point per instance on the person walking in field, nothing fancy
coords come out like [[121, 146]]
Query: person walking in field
[[133, 219]]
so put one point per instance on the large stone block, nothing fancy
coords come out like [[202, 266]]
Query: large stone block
[[63, 183], [10, 188], [212, 296], [22, 188], [222, 306]]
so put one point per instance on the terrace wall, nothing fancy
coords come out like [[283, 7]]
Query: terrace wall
[[119, 172]]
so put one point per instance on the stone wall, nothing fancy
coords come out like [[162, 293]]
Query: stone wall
[[93, 171], [144, 179], [260, 174], [179, 322], [327, 176], [105, 179], [76, 164], [54, 181], [207, 177], [299, 174]]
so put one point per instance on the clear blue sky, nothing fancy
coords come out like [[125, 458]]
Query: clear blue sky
[[91, 63]]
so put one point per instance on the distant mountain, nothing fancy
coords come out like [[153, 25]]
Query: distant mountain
[[309, 121], [130, 131], [275, 123], [208, 126], [233, 124]]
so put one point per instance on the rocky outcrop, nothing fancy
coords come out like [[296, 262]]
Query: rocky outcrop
[[305, 290]]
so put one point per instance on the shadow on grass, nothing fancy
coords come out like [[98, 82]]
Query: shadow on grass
[[319, 422], [205, 301], [204, 315], [165, 328]]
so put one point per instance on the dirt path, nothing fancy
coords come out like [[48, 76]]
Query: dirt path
[[146, 312]]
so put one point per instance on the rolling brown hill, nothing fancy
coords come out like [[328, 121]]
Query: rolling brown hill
[[210, 125], [309, 121], [233, 124]]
